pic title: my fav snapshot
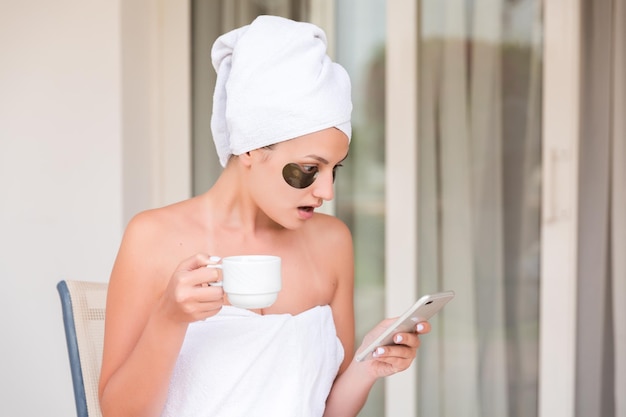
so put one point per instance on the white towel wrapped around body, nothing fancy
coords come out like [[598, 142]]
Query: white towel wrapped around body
[[242, 364], [275, 82]]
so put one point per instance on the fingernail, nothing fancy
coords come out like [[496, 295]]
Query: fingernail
[[398, 338], [378, 352], [215, 259], [420, 327]]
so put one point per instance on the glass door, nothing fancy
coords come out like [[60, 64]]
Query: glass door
[[479, 196], [477, 146], [442, 188]]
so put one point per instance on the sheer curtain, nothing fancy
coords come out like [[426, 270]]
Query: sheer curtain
[[601, 340], [479, 172], [618, 213]]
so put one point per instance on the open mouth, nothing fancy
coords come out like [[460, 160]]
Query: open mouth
[[308, 209]]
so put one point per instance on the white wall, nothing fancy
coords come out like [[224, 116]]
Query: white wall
[[94, 127], [60, 183]]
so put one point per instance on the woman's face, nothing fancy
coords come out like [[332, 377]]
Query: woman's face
[[291, 179]]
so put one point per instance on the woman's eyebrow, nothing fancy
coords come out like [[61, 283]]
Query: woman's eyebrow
[[318, 158], [323, 160]]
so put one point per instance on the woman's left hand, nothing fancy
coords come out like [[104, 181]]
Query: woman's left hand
[[388, 360]]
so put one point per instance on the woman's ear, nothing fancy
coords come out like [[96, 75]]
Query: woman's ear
[[246, 158]]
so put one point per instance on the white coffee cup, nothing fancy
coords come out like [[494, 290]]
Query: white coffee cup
[[250, 281]]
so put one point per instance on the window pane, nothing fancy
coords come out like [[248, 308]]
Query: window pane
[[360, 48], [479, 205]]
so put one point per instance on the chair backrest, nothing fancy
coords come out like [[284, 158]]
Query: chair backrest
[[83, 304]]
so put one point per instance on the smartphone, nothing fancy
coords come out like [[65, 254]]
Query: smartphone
[[423, 309]]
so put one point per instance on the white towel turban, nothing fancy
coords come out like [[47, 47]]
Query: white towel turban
[[275, 82]]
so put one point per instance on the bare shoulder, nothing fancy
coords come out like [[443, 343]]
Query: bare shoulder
[[153, 244], [157, 220], [164, 226], [331, 229], [330, 239]]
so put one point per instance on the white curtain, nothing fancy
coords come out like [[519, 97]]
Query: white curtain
[[445, 243], [618, 208], [478, 205], [601, 339]]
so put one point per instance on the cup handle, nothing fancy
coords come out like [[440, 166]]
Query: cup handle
[[215, 283]]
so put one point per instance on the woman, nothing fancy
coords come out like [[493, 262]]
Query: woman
[[173, 346]]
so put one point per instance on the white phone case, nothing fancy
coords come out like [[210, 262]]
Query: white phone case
[[423, 309]]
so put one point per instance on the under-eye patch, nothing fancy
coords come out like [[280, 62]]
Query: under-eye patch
[[298, 176]]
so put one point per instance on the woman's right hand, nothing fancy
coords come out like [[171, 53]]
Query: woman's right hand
[[188, 296], [390, 359]]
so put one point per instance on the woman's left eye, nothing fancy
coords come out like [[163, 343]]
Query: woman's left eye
[[309, 169]]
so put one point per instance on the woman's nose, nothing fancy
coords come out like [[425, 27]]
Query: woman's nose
[[323, 186]]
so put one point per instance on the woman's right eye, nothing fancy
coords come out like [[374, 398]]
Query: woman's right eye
[[309, 169]]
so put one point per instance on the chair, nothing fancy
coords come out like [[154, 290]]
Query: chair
[[83, 304]]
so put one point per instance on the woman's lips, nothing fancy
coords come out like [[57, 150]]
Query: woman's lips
[[306, 212]]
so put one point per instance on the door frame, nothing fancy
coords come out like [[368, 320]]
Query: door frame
[[401, 133], [558, 273]]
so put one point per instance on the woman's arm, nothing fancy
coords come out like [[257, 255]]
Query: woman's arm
[[352, 387], [355, 380], [149, 305]]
